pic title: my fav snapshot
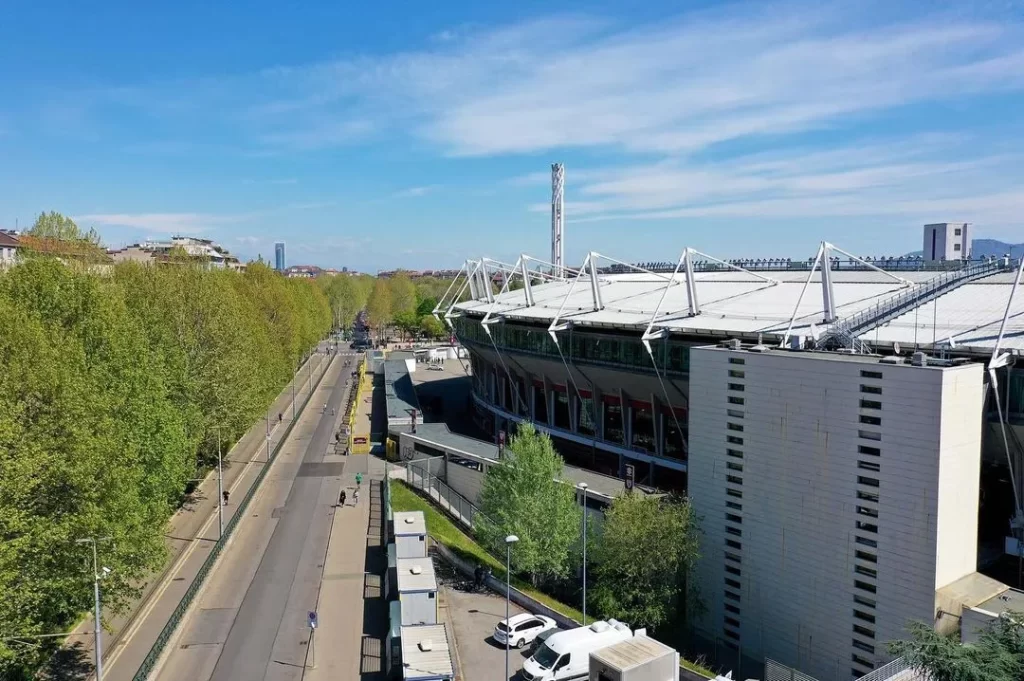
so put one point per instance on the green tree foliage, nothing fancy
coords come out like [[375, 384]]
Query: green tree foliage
[[53, 234], [647, 547], [53, 225], [525, 497], [378, 307], [431, 328], [348, 294], [407, 322], [403, 294], [998, 654], [113, 387]]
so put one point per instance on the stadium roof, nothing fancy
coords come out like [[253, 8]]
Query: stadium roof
[[739, 303]]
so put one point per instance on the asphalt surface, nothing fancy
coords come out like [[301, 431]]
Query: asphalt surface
[[249, 648]]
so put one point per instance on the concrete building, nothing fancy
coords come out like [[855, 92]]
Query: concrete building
[[610, 362], [193, 248], [838, 494], [279, 261], [947, 241]]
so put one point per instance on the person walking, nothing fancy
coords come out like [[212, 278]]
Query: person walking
[[359, 479], [227, 496], [355, 496], [342, 498]]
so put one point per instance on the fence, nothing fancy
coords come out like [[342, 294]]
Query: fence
[[149, 663], [897, 670], [459, 507]]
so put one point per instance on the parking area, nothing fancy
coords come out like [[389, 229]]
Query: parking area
[[472, 617]]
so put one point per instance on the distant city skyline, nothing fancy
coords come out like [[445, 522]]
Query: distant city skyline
[[418, 137]]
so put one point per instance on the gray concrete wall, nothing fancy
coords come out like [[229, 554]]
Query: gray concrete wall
[[798, 473]]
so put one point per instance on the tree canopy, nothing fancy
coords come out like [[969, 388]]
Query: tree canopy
[[525, 497], [647, 547], [114, 385], [996, 656]]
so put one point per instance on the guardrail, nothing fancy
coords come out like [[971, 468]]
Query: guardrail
[[149, 663]]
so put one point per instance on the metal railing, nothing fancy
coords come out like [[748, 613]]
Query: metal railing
[[458, 506], [151, 659], [897, 670], [845, 331]]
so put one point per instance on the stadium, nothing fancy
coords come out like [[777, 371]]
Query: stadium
[[872, 401]]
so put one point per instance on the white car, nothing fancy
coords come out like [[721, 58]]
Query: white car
[[524, 629]]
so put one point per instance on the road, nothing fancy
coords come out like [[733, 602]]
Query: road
[[250, 621]]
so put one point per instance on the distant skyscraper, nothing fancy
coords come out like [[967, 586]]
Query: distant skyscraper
[[279, 263]]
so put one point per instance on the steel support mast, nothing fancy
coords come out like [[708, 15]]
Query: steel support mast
[[558, 218]]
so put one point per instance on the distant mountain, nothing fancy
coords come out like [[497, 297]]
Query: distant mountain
[[984, 248]]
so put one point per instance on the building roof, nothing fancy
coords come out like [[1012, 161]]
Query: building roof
[[426, 653], [410, 581], [399, 392], [409, 523], [740, 303], [8, 240], [631, 653]]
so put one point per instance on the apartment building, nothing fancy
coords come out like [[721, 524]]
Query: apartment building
[[837, 494]]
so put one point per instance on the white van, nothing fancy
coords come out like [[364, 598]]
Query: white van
[[566, 654]]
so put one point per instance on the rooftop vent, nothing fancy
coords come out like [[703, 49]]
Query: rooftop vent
[[599, 627], [409, 520], [892, 359], [919, 359], [426, 646], [416, 570], [732, 344]]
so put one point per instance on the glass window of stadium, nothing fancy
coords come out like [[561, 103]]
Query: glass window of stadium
[[613, 424], [678, 357], [523, 398], [643, 426], [540, 405], [673, 435], [561, 404], [585, 415]]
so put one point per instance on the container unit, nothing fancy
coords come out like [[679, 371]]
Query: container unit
[[417, 590], [391, 575], [426, 654], [636, 659], [394, 649], [410, 531]]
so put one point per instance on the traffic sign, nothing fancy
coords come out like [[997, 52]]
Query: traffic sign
[[312, 619], [630, 475]]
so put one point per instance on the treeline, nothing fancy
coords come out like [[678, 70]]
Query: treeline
[[115, 384], [405, 305]]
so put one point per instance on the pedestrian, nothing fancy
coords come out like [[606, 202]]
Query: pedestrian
[[341, 498], [355, 495], [227, 496], [359, 479], [279, 417]]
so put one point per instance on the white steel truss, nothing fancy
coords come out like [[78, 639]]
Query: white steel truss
[[823, 260]]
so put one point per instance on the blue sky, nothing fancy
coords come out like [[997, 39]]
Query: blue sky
[[419, 134]]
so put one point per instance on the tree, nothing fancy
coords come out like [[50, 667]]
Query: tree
[[431, 328], [378, 307], [996, 656], [647, 547], [407, 323], [403, 294], [53, 234], [525, 496]]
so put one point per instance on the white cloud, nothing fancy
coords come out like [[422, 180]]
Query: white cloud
[[164, 223], [414, 192]]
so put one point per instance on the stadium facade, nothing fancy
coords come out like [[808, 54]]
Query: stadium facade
[[832, 420]]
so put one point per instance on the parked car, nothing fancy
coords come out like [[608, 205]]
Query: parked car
[[524, 629]]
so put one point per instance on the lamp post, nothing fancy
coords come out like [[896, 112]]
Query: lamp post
[[220, 490], [97, 575], [509, 541], [583, 486]]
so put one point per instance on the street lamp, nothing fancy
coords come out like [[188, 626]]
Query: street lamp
[[583, 486], [509, 541], [97, 574], [220, 489]]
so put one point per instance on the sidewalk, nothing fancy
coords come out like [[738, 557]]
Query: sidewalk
[[191, 532], [351, 608]]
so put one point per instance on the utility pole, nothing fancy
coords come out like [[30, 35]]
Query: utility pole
[[96, 577]]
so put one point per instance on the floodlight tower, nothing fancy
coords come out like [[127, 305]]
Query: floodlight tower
[[558, 217]]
